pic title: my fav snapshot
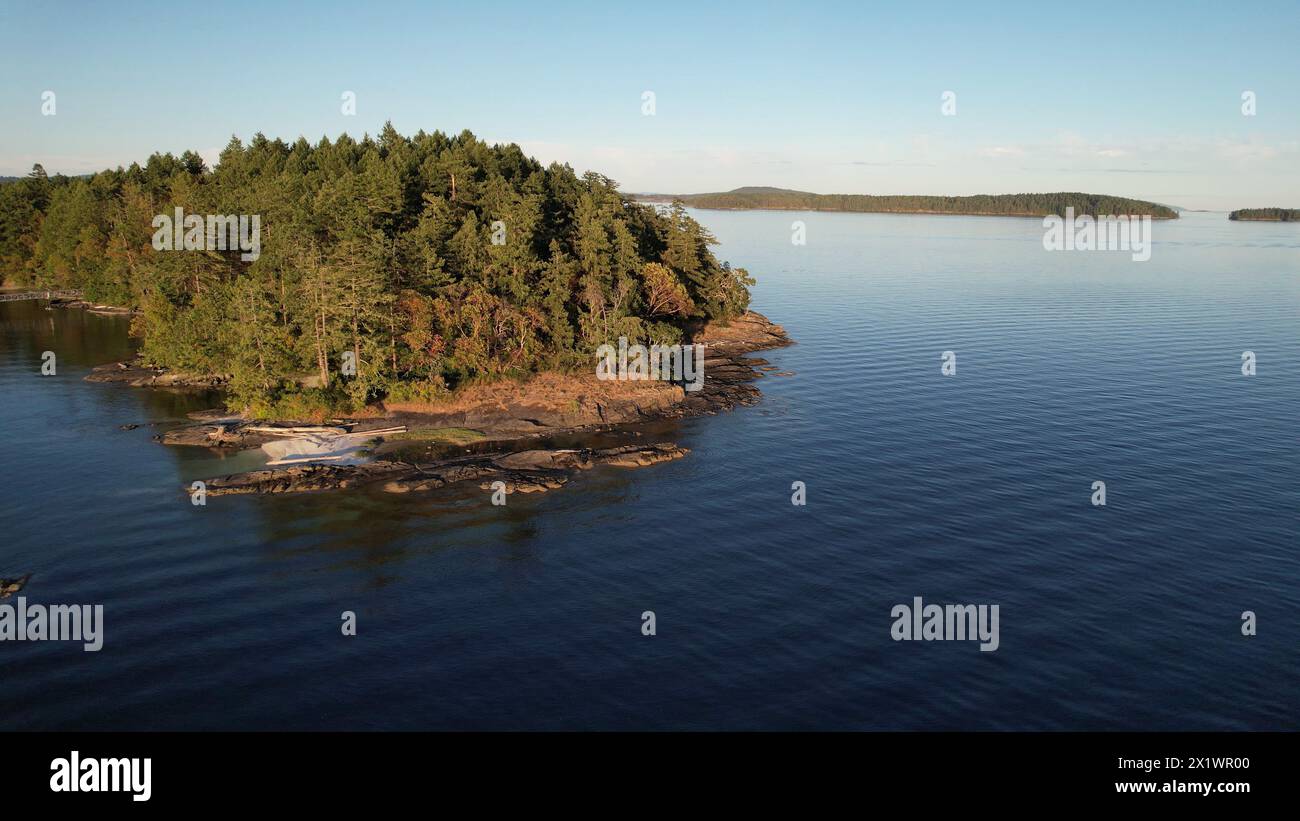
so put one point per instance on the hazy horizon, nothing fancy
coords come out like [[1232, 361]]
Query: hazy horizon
[[831, 99]]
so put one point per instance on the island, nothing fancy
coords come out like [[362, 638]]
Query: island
[[1265, 215], [422, 296], [997, 205]]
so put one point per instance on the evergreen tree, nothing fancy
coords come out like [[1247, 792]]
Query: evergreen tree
[[390, 267]]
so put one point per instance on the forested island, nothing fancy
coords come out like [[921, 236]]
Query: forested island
[[1266, 215], [428, 264], [1004, 205]]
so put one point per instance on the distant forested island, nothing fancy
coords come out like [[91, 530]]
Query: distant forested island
[[1266, 215], [1005, 205], [412, 265]]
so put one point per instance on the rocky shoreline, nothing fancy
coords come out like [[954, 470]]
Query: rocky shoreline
[[141, 376], [92, 307], [519, 472], [500, 420]]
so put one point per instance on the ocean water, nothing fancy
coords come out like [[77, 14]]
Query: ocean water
[[1072, 367]]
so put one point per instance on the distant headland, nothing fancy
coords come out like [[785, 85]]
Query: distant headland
[[998, 205]]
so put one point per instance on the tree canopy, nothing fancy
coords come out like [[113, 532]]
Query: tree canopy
[[423, 263]]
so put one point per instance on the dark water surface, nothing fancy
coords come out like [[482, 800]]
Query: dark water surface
[[1072, 367]]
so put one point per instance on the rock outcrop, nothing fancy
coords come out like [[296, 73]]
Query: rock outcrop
[[141, 376], [521, 472], [8, 587]]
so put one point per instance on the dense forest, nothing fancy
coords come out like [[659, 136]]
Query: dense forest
[[434, 261], [1267, 214], [1016, 205]]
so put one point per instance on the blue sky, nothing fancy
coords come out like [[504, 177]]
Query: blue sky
[[1140, 100]]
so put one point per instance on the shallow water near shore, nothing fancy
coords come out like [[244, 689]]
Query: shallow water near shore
[[1072, 367]]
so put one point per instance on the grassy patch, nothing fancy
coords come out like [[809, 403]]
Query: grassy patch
[[445, 436]]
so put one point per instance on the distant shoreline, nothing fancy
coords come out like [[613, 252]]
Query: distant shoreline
[[1020, 215], [1031, 205]]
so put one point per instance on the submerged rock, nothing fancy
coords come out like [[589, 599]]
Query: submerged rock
[[528, 483], [8, 587]]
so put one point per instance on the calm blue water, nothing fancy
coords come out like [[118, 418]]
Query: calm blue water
[[1072, 367]]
